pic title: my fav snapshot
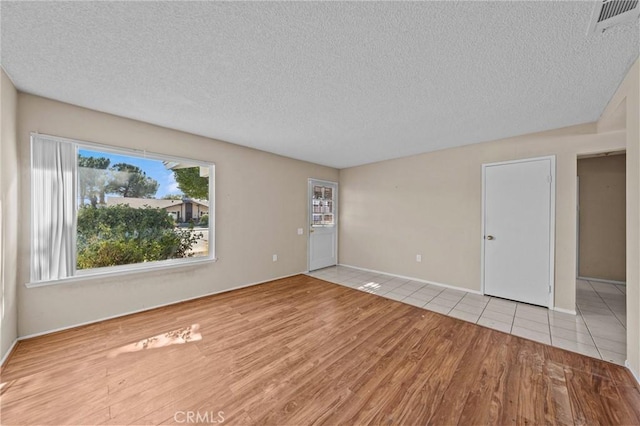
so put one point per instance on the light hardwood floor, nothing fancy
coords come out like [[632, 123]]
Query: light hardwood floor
[[304, 351]]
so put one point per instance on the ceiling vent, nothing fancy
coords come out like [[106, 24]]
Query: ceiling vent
[[608, 13]]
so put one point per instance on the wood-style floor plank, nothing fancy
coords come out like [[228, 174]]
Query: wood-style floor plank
[[304, 351]]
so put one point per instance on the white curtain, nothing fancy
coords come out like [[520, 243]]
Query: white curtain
[[53, 186]]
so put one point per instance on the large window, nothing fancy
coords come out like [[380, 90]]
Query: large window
[[98, 209]]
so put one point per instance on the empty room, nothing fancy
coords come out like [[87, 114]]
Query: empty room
[[340, 213]]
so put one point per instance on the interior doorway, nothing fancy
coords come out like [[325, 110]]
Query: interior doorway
[[601, 251], [602, 218]]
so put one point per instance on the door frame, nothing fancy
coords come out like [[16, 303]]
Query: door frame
[[578, 224], [552, 221], [580, 156], [336, 205]]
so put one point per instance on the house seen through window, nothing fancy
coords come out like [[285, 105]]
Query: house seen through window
[[129, 209]]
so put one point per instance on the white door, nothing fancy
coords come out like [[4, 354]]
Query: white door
[[519, 209], [323, 219]]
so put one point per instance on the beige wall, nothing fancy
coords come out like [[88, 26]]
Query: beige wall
[[430, 204], [602, 200], [8, 214], [631, 89], [251, 224]]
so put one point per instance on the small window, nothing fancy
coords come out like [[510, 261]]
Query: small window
[[98, 209], [323, 206]]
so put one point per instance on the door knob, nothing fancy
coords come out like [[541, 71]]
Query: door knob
[[490, 237]]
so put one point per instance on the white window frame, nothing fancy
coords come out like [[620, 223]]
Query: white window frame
[[135, 267]]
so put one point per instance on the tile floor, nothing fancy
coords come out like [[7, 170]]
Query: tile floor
[[598, 330]]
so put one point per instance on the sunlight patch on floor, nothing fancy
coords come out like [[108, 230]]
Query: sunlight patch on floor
[[176, 337]]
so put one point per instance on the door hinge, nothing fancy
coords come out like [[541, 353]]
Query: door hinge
[[549, 178], [549, 288]]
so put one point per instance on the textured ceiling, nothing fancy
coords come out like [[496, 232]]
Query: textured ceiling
[[335, 83]]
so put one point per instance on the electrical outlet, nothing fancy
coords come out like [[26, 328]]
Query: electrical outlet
[[275, 257], [418, 258], [300, 231]]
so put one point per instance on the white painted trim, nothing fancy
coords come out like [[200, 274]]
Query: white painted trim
[[323, 181], [6, 355], [141, 153], [482, 228], [29, 336], [123, 270], [600, 280], [633, 373], [308, 227], [336, 206], [552, 220], [564, 311], [577, 223], [453, 287], [552, 233]]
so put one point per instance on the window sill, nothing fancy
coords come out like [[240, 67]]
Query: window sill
[[124, 270]]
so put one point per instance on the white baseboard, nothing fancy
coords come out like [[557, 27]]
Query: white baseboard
[[633, 373], [600, 280], [6, 355], [453, 287], [564, 311], [29, 336]]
